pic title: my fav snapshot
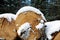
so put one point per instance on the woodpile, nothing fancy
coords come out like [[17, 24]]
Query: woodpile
[[10, 23], [14, 27]]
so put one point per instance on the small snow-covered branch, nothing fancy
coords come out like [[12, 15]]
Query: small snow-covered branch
[[24, 27], [39, 26]]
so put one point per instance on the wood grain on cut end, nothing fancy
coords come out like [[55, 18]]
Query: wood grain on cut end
[[7, 30], [32, 18]]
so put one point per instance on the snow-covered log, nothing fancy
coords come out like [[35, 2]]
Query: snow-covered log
[[52, 27], [7, 26], [33, 16]]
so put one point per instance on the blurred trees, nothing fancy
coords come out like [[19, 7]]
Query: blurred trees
[[9, 6], [50, 8]]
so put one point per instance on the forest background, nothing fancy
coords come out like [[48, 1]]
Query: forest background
[[50, 8]]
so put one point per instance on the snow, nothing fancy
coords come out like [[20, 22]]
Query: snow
[[52, 27], [8, 16], [39, 26], [30, 8], [42, 21], [24, 27], [26, 34], [2, 38]]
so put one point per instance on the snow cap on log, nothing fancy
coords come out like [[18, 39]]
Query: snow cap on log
[[8, 16], [30, 8]]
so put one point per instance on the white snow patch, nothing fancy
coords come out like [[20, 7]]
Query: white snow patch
[[30, 8], [24, 27], [8, 16], [26, 34], [42, 21], [52, 27], [39, 26]]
